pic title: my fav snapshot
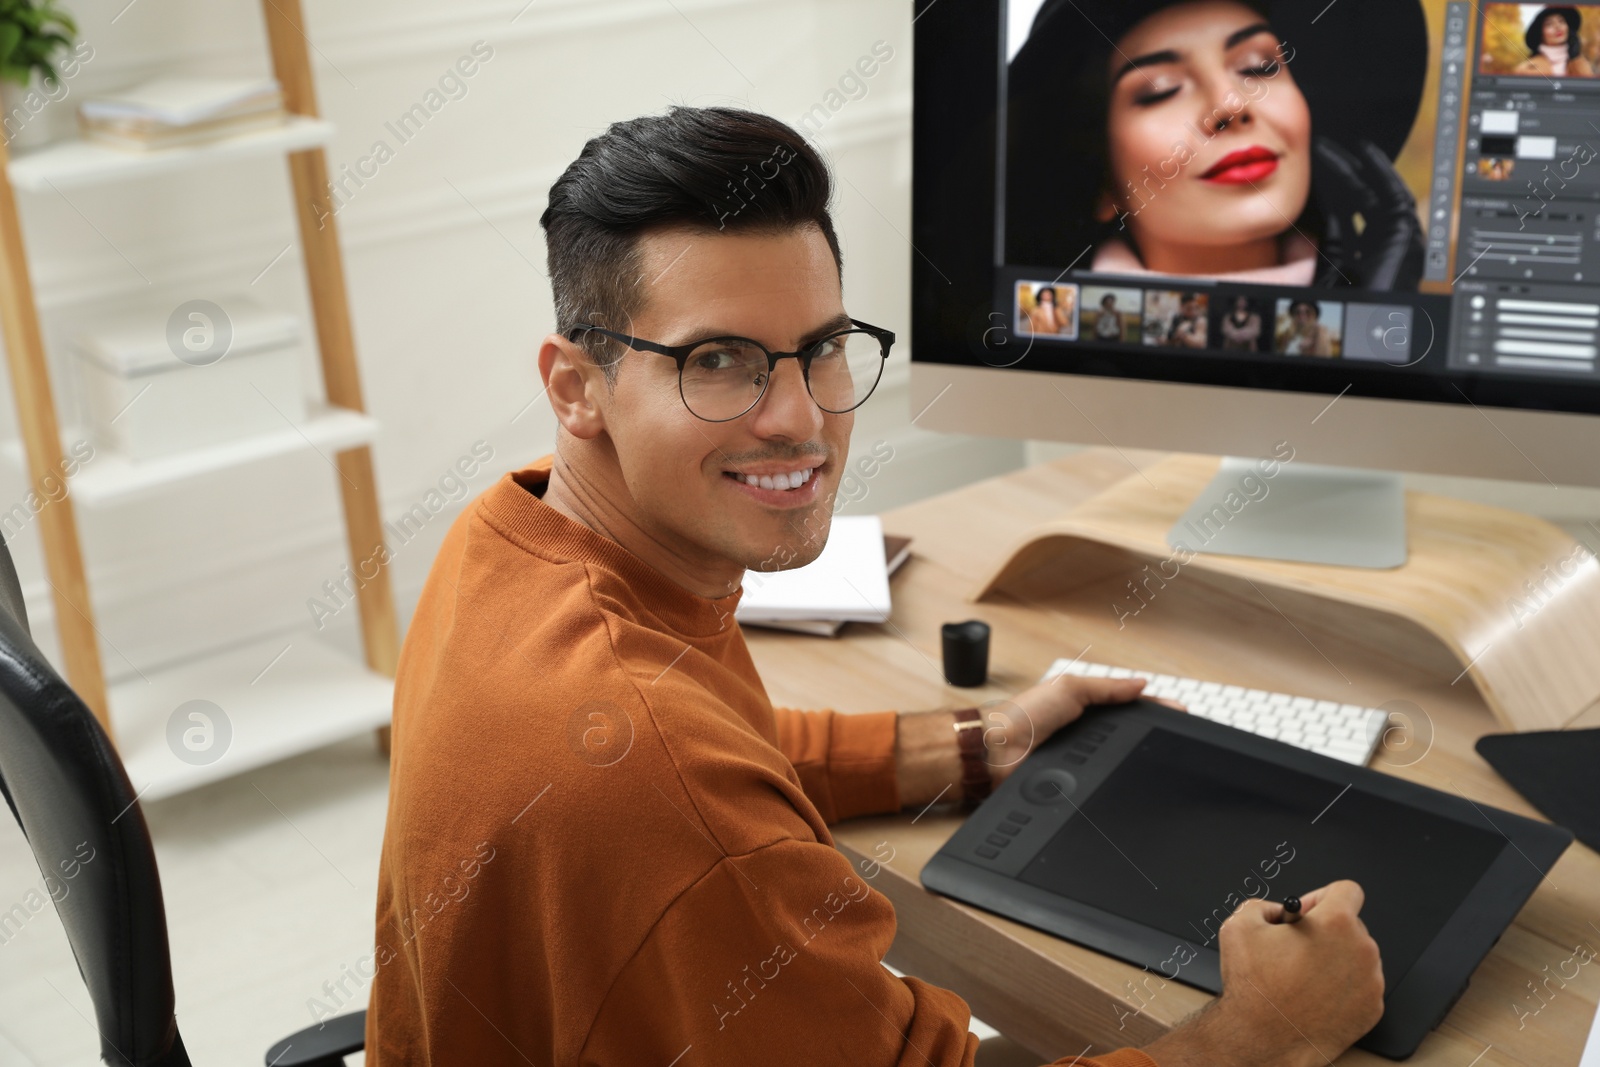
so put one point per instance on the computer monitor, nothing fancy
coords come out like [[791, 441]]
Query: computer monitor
[[1363, 230]]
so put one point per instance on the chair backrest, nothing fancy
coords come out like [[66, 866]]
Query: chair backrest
[[71, 796]]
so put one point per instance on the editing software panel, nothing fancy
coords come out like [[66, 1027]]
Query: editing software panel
[[1530, 200], [1472, 219]]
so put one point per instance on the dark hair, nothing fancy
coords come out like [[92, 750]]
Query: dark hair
[[1112, 297], [1316, 309], [1185, 298], [718, 169], [1043, 289], [1535, 35]]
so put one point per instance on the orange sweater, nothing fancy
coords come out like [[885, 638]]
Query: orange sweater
[[605, 846]]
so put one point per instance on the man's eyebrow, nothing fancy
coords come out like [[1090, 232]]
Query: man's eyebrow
[[1155, 59], [839, 322]]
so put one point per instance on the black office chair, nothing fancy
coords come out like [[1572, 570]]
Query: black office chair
[[70, 794]]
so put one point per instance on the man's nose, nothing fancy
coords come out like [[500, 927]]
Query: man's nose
[[786, 408]]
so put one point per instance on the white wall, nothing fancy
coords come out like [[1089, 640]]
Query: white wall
[[444, 258]]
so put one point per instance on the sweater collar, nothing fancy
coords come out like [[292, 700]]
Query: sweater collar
[[511, 508]]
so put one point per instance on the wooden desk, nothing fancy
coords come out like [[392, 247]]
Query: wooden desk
[[1053, 996]]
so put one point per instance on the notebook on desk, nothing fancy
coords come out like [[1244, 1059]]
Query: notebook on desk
[[848, 582]]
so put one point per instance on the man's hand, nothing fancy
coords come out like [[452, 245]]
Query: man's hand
[[1292, 994], [1013, 730]]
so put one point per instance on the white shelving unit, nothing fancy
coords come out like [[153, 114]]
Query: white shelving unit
[[115, 479], [284, 694], [76, 163]]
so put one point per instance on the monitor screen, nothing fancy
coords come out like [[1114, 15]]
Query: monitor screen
[[1183, 831], [1392, 196]]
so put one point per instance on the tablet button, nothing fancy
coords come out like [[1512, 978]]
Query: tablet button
[[1018, 816], [997, 841], [1010, 828], [988, 853], [1051, 785], [1075, 757]]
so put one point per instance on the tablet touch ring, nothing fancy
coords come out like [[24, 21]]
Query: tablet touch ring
[[1050, 785]]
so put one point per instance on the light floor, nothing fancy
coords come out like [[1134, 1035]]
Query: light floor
[[269, 878]]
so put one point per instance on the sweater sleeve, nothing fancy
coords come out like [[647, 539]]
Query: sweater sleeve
[[845, 762], [775, 957]]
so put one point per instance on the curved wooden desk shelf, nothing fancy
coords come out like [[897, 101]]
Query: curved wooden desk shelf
[[1512, 598]]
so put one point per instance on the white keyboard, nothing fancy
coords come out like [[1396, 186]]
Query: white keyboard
[[1346, 732]]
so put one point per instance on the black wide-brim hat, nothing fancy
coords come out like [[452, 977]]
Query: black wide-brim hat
[[1574, 23], [1361, 64]]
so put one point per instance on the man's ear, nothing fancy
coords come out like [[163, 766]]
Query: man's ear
[[574, 384]]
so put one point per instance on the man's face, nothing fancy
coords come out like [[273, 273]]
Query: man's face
[[783, 291]]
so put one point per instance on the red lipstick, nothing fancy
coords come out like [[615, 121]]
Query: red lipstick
[[1247, 165]]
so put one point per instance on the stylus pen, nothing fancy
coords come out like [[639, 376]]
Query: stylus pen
[[1291, 911]]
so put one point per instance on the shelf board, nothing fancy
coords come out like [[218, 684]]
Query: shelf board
[[276, 706], [112, 478], [76, 162]]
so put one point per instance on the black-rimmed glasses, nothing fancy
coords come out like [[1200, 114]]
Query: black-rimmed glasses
[[721, 378]]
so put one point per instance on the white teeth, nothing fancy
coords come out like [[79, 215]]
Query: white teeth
[[785, 481]]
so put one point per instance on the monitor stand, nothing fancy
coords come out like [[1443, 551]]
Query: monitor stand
[[1511, 598], [1300, 513]]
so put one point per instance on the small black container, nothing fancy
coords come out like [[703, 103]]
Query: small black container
[[966, 652]]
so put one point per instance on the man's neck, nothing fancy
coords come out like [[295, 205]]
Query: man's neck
[[589, 493]]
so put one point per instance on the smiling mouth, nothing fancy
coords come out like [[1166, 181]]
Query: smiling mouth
[[1249, 165], [781, 480]]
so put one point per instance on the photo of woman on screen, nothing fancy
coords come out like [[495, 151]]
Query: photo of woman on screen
[[1241, 327], [1553, 41], [1046, 315], [1191, 148], [1539, 41]]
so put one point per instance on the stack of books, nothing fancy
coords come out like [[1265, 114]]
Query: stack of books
[[848, 582], [181, 110]]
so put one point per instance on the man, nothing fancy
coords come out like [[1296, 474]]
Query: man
[[604, 845]]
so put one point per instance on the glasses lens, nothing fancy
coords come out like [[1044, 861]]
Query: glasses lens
[[723, 379], [845, 370]]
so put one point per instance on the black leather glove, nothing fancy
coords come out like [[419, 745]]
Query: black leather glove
[[1388, 253]]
